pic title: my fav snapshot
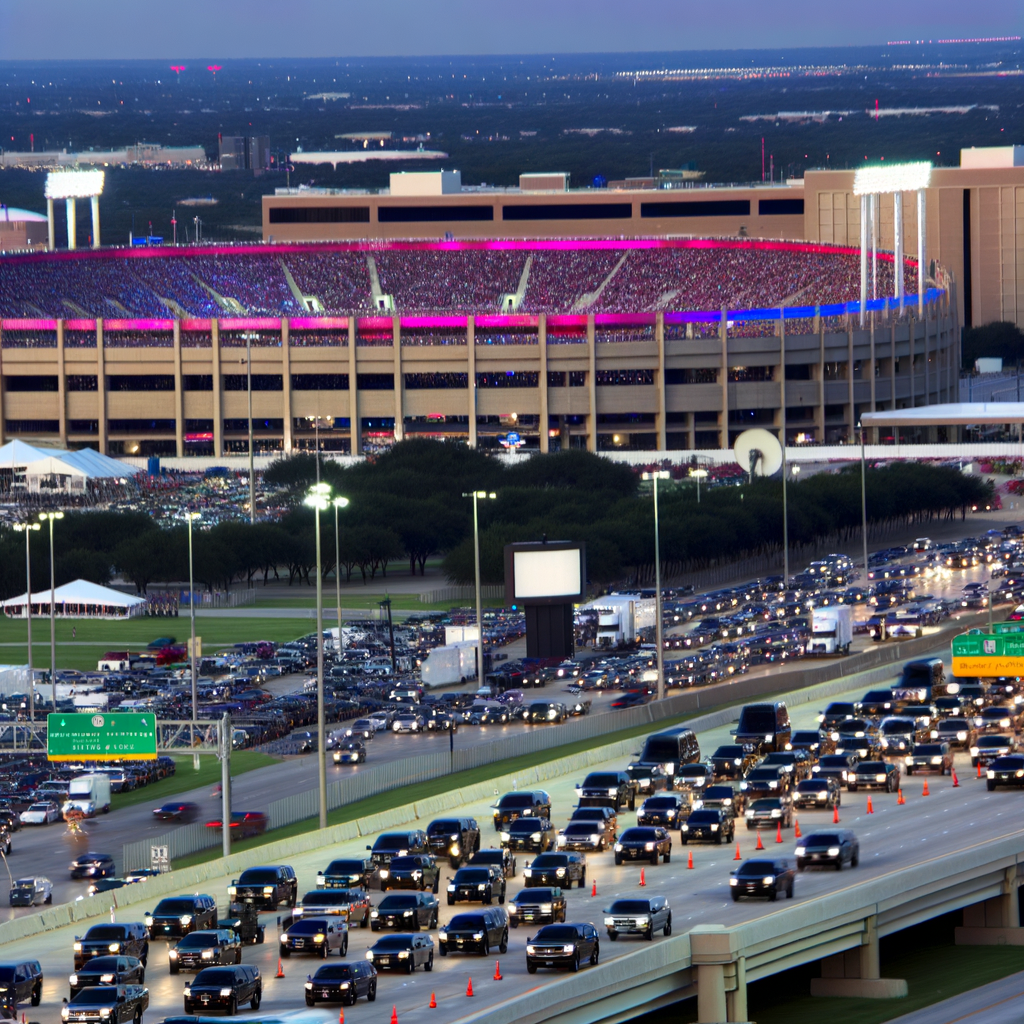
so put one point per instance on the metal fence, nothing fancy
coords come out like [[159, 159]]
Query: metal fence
[[467, 593]]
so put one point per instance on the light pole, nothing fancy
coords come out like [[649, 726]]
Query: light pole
[[50, 517], [698, 475], [189, 517], [661, 474], [476, 496], [863, 502], [318, 497], [252, 469], [338, 503], [28, 529]]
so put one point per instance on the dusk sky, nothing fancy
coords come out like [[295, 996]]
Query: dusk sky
[[337, 28]]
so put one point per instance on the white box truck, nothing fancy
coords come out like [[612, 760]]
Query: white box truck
[[89, 794], [452, 663], [831, 630], [621, 617]]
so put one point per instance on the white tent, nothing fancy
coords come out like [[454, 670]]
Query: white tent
[[79, 599], [55, 474], [17, 454]]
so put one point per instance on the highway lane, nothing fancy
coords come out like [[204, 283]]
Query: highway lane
[[892, 837], [999, 1002]]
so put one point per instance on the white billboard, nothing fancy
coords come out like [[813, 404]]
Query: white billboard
[[551, 573]]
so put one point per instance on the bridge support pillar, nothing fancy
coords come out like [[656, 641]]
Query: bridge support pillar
[[721, 975], [857, 972], [995, 922]]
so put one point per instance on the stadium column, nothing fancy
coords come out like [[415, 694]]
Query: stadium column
[[892, 363], [471, 376], [2, 423], [592, 384], [542, 381], [852, 418], [396, 342], [179, 395], [62, 402], [101, 388], [218, 390], [911, 330], [659, 338], [286, 384], [819, 412], [871, 375], [723, 337], [782, 376], [355, 445]]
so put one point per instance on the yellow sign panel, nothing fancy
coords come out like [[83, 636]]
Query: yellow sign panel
[[978, 665]]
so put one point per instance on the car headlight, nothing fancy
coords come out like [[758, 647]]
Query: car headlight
[[268, 890], [482, 886], [974, 751], [744, 785], [648, 847], [822, 794], [320, 881], [773, 785], [148, 922], [609, 921], [232, 890], [935, 760], [369, 954], [880, 777], [714, 828], [506, 836], [185, 919], [376, 913], [497, 813], [961, 735], [225, 992], [319, 937], [455, 851], [800, 851], [385, 873], [776, 812], [535, 838], [560, 872], [417, 874], [104, 1011], [403, 955], [78, 947], [618, 847], [1019, 773], [833, 851], [207, 954], [734, 881], [530, 950], [768, 880], [309, 985]]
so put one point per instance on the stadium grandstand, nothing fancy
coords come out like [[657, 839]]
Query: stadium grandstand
[[601, 343]]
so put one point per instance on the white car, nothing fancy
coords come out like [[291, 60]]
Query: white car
[[40, 814], [407, 723]]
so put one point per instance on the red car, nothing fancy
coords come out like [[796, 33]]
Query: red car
[[243, 824]]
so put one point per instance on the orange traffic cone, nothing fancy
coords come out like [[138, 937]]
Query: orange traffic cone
[[924, 792], [341, 1015], [593, 888], [760, 845], [643, 881], [280, 969], [469, 992], [394, 1015], [737, 857], [497, 971], [433, 1001], [778, 832], [901, 799], [871, 809], [956, 781], [796, 828], [689, 860], [835, 815], [979, 769]]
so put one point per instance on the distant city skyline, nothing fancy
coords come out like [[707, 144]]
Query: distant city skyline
[[234, 29]]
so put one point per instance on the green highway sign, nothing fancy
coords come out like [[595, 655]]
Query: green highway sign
[[988, 654], [98, 736]]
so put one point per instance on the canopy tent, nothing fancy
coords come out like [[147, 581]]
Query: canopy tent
[[951, 414], [55, 474], [17, 454], [79, 599], [96, 464]]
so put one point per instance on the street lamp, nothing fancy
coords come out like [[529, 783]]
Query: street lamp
[[189, 517], [338, 503], [863, 502], [476, 496], [318, 497], [252, 468], [661, 474], [698, 475], [50, 517], [28, 529]]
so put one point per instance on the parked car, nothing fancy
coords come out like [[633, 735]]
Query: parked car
[[342, 983], [204, 949], [537, 906], [638, 917], [476, 931], [43, 813], [563, 945], [224, 988]]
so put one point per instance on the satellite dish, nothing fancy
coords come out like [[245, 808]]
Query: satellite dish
[[758, 451]]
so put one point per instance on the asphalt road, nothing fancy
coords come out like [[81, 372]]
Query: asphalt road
[[999, 1002], [892, 837]]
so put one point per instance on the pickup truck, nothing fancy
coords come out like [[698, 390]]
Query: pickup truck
[[266, 887], [109, 1004]]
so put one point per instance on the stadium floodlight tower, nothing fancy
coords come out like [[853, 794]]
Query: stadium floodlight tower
[[71, 186], [895, 179]]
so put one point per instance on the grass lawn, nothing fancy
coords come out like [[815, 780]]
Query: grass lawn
[[370, 601], [93, 637], [186, 778]]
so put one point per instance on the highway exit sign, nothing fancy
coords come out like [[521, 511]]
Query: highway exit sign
[[101, 737], [988, 654]]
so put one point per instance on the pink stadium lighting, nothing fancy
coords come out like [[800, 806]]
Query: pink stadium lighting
[[214, 68], [177, 68]]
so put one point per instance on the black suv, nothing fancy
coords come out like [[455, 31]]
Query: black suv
[[475, 932], [224, 988], [21, 979], [266, 887], [712, 824], [108, 970], [644, 843], [535, 804], [668, 811], [342, 983], [347, 873], [455, 838], [419, 871], [563, 945], [176, 916], [731, 761], [608, 789], [107, 1004], [204, 949], [103, 939], [537, 906], [638, 916], [478, 884], [503, 860], [397, 844], [561, 869], [405, 911], [93, 865], [534, 834]]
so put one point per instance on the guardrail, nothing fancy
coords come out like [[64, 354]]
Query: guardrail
[[371, 781]]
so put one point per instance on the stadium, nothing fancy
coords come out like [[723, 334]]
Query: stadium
[[608, 344]]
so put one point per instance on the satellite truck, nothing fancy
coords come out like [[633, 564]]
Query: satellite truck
[[831, 630]]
